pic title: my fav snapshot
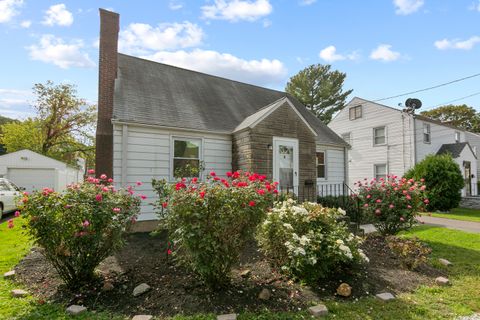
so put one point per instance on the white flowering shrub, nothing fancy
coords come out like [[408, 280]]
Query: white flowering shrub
[[307, 242]]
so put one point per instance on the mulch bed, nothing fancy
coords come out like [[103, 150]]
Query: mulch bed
[[176, 290]]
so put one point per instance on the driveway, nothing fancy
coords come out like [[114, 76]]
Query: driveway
[[467, 226]]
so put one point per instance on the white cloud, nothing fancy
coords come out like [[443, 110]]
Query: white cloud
[[15, 103], [58, 15], [330, 55], [175, 5], [307, 2], [457, 43], [25, 24], [236, 10], [140, 38], [475, 6], [9, 9], [385, 53], [267, 23], [405, 7], [261, 72], [51, 49]]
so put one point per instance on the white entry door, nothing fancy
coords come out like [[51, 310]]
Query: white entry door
[[285, 164]]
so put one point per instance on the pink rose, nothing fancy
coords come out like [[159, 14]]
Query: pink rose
[[103, 176]]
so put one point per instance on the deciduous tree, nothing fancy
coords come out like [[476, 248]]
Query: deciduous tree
[[461, 116]]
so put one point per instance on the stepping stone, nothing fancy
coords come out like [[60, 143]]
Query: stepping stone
[[18, 293], [442, 281], [319, 310], [230, 316], [142, 317], [264, 294], [9, 274], [445, 262], [344, 290], [141, 289], [75, 309], [385, 296]]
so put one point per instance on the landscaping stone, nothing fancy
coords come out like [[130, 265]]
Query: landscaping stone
[[368, 228], [319, 310], [230, 316], [76, 309], [245, 273], [385, 296], [264, 294], [445, 262], [344, 290], [107, 286], [9, 274], [442, 281], [142, 317], [141, 289], [18, 293]]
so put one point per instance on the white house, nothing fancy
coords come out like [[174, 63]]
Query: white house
[[34, 171], [155, 120], [386, 140]]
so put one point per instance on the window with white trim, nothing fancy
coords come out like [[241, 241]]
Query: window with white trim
[[355, 112], [379, 136], [426, 133], [347, 137], [321, 165], [380, 171], [186, 157], [457, 136]]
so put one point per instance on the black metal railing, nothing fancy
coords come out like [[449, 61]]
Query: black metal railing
[[340, 195]]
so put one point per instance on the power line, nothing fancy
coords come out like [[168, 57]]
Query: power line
[[458, 99], [429, 88]]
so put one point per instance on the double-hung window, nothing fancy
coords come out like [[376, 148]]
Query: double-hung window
[[355, 112], [426, 133], [379, 136], [457, 136], [321, 165], [380, 171], [186, 157]]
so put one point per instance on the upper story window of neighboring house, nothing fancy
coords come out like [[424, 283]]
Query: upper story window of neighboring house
[[457, 136], [321, 164], [380, 171], [426, 133], [347, 137], [355, 112], [379, 136], [186, 157]]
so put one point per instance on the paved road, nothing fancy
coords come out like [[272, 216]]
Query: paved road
[[468, 226]]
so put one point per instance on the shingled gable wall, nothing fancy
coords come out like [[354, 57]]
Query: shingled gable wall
[[251, 152]]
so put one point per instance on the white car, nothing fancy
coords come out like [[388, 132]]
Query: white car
[[8, 193]]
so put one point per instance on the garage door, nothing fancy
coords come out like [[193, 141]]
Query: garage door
[[32, 179]]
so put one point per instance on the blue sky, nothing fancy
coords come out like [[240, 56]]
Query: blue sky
[[386, 48]]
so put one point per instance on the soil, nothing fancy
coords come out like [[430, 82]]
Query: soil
[[176, 290]]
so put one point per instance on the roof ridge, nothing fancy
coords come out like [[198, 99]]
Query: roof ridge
[[199, 72]]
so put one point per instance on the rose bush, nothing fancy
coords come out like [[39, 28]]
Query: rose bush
[[393, 203], [307, 242], [81, 226], [209, 222]]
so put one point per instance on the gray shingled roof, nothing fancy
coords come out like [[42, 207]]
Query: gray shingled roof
[[455, 149], [154, 93]]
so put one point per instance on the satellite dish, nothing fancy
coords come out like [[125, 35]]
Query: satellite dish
[[413, 103]]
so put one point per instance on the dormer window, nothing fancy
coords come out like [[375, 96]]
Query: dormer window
[[457, 137], [355, 112]]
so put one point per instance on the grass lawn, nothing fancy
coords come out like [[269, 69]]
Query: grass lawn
[[460, 214], [462, 298]]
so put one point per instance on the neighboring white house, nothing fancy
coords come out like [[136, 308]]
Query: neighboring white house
[[34, 171], [386, 140]]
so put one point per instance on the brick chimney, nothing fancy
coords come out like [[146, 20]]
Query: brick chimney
[[107, 72]]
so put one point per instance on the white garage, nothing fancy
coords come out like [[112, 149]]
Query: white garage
[[34, 171]]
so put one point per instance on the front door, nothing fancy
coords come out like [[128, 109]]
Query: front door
[[285, 164]]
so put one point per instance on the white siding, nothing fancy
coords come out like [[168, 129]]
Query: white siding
[[335, 170], [439, 135], [148, 155], [363, 155], [467, 155], [474, 140]]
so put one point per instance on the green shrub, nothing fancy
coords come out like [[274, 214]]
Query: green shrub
[[210, 222], [306, 241], [392, 204], [411, 251], [348, 203], [81, 226], [443, 179]]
